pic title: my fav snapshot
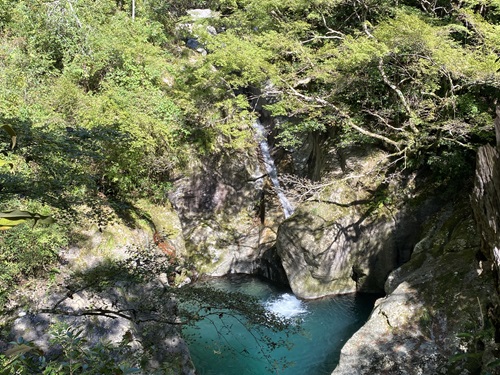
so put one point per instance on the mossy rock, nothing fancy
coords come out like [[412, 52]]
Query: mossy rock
[[436, 311]]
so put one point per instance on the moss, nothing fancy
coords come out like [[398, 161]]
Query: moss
[[425, 321], [416, 262], [163, 218]]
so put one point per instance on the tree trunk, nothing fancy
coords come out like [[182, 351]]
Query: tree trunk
[[486, 197]]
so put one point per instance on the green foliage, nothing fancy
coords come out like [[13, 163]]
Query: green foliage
[[13, 137], [28, 252], [87, 81], [472, 351], [289, 136], [12, 218], [388, 75], [24, 253], [454, 165], [396, 73], [142, 265], [76, 356], [12, 134]]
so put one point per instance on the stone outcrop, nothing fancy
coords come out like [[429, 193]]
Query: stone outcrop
[[112, 286], [228, 212], [327, 249], [435, 318], [441, 312], [125, 310], [486, 201], [352, 236]]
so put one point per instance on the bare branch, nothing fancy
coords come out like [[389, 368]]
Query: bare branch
[[365, 29], [383, 120], [330, 34], [374, 135], [398, 92], [344, 116], [453, 140], [74, 14], [330, 30], [303, 188], [321, 37], [112, 314]]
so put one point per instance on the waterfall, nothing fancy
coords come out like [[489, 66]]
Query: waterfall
[[271, 168], [286, 305]]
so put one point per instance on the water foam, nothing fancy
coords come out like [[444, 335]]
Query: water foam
[[287, 306]]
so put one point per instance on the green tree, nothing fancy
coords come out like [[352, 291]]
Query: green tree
[[420, 83]]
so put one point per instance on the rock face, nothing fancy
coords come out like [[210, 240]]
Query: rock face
[[123, 311], [434, 319], [228, 212], [486, 201], [441, 312], [112, 286], [351, 238], [327, 249]]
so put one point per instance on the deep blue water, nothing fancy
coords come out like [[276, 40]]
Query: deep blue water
[[227, 347]]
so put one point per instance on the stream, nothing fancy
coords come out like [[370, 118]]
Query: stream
[[228, 347]]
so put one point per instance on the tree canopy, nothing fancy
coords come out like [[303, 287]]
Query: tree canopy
[[418, 78]]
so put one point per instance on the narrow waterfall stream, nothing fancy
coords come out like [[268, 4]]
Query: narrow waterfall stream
[[271, 168], [228, 346]]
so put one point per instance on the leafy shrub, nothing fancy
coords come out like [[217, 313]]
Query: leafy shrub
[[28, 252], [72, 355]]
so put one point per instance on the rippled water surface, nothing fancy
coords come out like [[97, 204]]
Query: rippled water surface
[[227, 347]]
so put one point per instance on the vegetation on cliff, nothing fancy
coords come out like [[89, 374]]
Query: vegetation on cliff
[[110, 101]]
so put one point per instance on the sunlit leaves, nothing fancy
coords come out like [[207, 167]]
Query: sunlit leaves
[[75, 355], [239, 60], [12, 134], [12, 218]]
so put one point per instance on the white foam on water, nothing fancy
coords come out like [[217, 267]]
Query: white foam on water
[[287, 306]]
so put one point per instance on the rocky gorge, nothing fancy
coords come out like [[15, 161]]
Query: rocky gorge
[[328, 147], [434, 256], [431, 252]]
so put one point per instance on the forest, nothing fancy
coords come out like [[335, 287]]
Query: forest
[[104, 103]]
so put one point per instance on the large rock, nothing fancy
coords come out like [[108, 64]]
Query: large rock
[[353, 236], [228, 213], [327, 249], [434, 319]]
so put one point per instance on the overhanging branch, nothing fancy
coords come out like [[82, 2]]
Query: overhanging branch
[[128, 314], [344, 116], [399, 93]]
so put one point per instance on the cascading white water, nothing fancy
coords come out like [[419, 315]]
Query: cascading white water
[[287, 306], [271, 168]]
